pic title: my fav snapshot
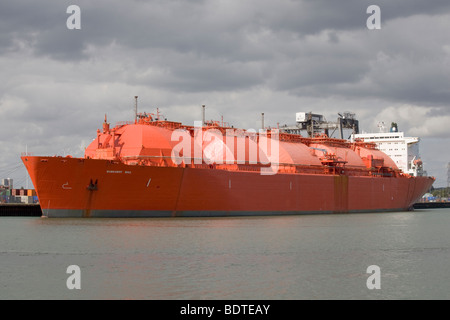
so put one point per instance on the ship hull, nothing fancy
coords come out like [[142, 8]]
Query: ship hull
[[76, 187]]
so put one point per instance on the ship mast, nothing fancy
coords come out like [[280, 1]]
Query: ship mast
[[262, 121], [135, 109], [203, 115], [448, 175]]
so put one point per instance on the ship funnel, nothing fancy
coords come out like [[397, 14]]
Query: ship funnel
[[394, 127]]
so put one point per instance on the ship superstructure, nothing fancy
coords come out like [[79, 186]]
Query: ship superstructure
[[404, 151]]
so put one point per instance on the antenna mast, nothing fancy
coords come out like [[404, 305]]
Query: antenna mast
[[135, 109], [448, 175], [203, 115], [262, 120]]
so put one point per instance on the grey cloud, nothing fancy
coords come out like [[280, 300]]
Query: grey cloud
[[200, 26]]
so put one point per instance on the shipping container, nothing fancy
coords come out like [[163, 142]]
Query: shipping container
[[26, 199]]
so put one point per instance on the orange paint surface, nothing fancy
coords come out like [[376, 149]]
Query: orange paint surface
[[129, 169]]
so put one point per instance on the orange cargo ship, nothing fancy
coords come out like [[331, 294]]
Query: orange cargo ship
[[144, 169]]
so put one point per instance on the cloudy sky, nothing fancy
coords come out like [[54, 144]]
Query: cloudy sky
[[239, 58]]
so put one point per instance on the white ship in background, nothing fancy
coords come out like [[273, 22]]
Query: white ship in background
[[403, 150]]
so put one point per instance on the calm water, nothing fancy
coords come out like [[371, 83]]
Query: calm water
[[292, 257]]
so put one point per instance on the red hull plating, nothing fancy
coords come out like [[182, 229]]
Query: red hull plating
[[66, 187]]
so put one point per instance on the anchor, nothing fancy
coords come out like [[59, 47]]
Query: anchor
[[92, 186]]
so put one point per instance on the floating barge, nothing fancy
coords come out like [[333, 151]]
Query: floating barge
[[20, 210]]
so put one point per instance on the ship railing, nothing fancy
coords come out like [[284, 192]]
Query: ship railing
[[257, 166], [280, 166], [123, 123]]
